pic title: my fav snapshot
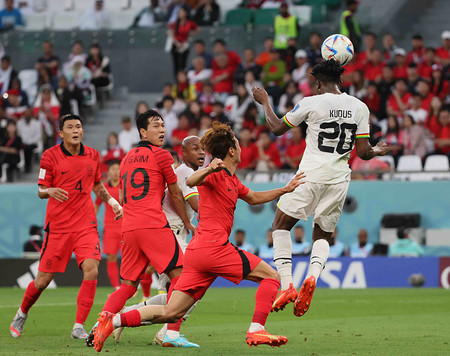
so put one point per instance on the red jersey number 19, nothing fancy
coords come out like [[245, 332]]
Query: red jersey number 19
[[145, 184]]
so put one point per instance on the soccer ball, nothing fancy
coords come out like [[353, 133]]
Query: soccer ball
[[339, 48]]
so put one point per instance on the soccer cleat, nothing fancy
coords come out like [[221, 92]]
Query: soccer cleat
[[117, 334], [284, 298], [180, 341], [104, 329], [305, 294], [79, 333], [17, 324], [262, 337], [159, 337], [90, 336]]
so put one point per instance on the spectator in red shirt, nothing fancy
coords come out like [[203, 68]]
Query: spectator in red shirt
[[399, 100], [264, 57], [442, 140], [360, 166], [273, 74], [220, 47], [268, 154], [432, 123], [443, 52], [413, 77], [180, 31], [439, 85], [350, 68], [251, 119], [425, 68], [370, 39], [249, 151], [295, 149], [417, 54], [400, 64], [222, 77], [113, 151], [180, 133], [423, 88], [373, 69], [372, 98]]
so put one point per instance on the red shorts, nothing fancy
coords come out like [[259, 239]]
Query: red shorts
[[112, 240], [202, 266], [57, 249], [158, 247]]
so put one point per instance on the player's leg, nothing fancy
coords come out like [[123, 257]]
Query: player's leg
[[146, 282], [111, 246], [32, 293], [112, 269]]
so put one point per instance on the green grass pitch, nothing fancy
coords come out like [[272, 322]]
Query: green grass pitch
[[339, 322]]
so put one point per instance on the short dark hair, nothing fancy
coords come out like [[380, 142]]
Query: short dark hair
[[142, 119], [299, 227], [417, 37], [240, 231], [6, 58], [199, 41], [113, 162], [218, 140], [371, 34], [328, 71], [68, 117], [220, 41]]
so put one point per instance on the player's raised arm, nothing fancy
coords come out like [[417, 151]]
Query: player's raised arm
[[198, 177], [365, 151], [101, 192], [255, 198], [178, 201], [56, 193], [276, 125]]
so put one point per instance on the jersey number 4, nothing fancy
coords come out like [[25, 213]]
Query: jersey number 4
[[145, 184], [334, 130], [79, 187]]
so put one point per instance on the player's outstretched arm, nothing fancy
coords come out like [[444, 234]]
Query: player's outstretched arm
[[176, 195], [366, 152], [199, 176], [254, 198], [276, 125], [100, 191], [56, 193]]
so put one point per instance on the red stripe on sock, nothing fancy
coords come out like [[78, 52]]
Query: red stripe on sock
[[117, 300], [31, 295], [264, 298], [131, 318], [85, 300]]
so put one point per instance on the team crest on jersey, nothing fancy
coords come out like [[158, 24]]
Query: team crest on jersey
[[295, 108], [90, 170]]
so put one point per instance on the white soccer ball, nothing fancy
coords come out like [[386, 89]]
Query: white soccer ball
[[339, 48]]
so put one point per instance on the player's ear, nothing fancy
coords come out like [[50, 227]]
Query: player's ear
[[143, 133], [60, 133]]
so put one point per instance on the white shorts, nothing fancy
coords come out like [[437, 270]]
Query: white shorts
[[323, 201]]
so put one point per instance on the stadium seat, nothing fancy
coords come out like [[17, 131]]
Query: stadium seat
[[437, 163], [238, 17], [265, 16], [29, 81], [303, 13], [388, 159], [121, 19], [35, 22], [65, 20], [319, 10], [409, 163]]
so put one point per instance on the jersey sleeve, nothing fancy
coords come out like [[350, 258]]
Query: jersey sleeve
[[242, 190], [210, 180], [187, 191], [165, 161], [46, 170], [363, 122], [98, 168], [298, 114]]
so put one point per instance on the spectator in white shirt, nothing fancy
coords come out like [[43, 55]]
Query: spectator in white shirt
[[417, 112], [301, 72], [95, 18], [77, 52], [30, 130], [170, 117], [199, 74], [129, 136]]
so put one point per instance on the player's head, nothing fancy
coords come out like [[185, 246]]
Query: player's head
[[239, 237], [327, 72], [362, 236], [299, 232], [269, 237], [150, 125], [220, 142], [71, 129], [114, 170], [193, 153]]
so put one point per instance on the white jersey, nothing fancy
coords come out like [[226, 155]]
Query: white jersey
[[334, 121], [183, 172]]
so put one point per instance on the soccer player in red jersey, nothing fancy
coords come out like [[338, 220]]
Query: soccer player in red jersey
[[146, 234], [112, 228], [68, 174], [210, 254]]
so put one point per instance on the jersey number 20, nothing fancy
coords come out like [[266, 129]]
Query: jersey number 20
[[337, 131], [145, 184]]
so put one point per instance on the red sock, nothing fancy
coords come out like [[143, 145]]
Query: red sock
[[113, 273], [117, 300], [131, 318], [173, 283], [30, 297], [175, 326], [85, 300], [264, 298], [146, 283]]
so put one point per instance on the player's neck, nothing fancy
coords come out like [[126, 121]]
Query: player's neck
[[230, 165], [72, 149], [114, 183], [331, 89], [190, 165]]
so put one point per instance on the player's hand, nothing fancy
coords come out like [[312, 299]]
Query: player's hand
[[118, 210], [216, 165], [260, 95], [58, 194], [381, 148], [190, 228], [295, 182]]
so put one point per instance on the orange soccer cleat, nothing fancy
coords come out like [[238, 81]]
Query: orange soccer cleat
[[104, 329], [262, 337], [284, 298], [303, 301]]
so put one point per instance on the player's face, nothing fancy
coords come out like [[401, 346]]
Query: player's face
[[194, 153], [156, 131], [72, 132], [237, 152], [114, 172]]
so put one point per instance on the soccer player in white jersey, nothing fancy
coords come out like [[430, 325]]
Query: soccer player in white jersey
[[334, 120]]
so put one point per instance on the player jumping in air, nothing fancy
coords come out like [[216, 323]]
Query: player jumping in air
[[193, 158], [334, 120], [68, 174], [146, 234], [210, 254]]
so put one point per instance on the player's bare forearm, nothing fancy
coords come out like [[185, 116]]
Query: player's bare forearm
[[366, 152], [43, 192], [199, 176], [58, 194], [100, 191], [276, 125]]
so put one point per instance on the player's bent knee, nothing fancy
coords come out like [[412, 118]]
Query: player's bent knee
[[42, 282]]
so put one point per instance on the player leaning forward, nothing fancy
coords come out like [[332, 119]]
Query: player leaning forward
[[334, 120], [68, 174], [210, 254]]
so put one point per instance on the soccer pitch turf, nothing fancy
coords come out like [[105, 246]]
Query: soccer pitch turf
[[339, 322]]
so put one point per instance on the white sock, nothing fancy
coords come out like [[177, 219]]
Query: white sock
[[163, 330], [117, 322], [77, 325], [255, 327], [159, 299], [172, 334], [319, 256], [21, 313], [282, 256]]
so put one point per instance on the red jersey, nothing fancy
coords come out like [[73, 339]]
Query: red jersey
[[392, 102], [218, 197], [372, 72], [144, 172], [76, 175], [182, 31], [109, 213], [400, 72], [249, 154], [233, 61], [274, 154], [294, 151], [441, 52], [225, 85]]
